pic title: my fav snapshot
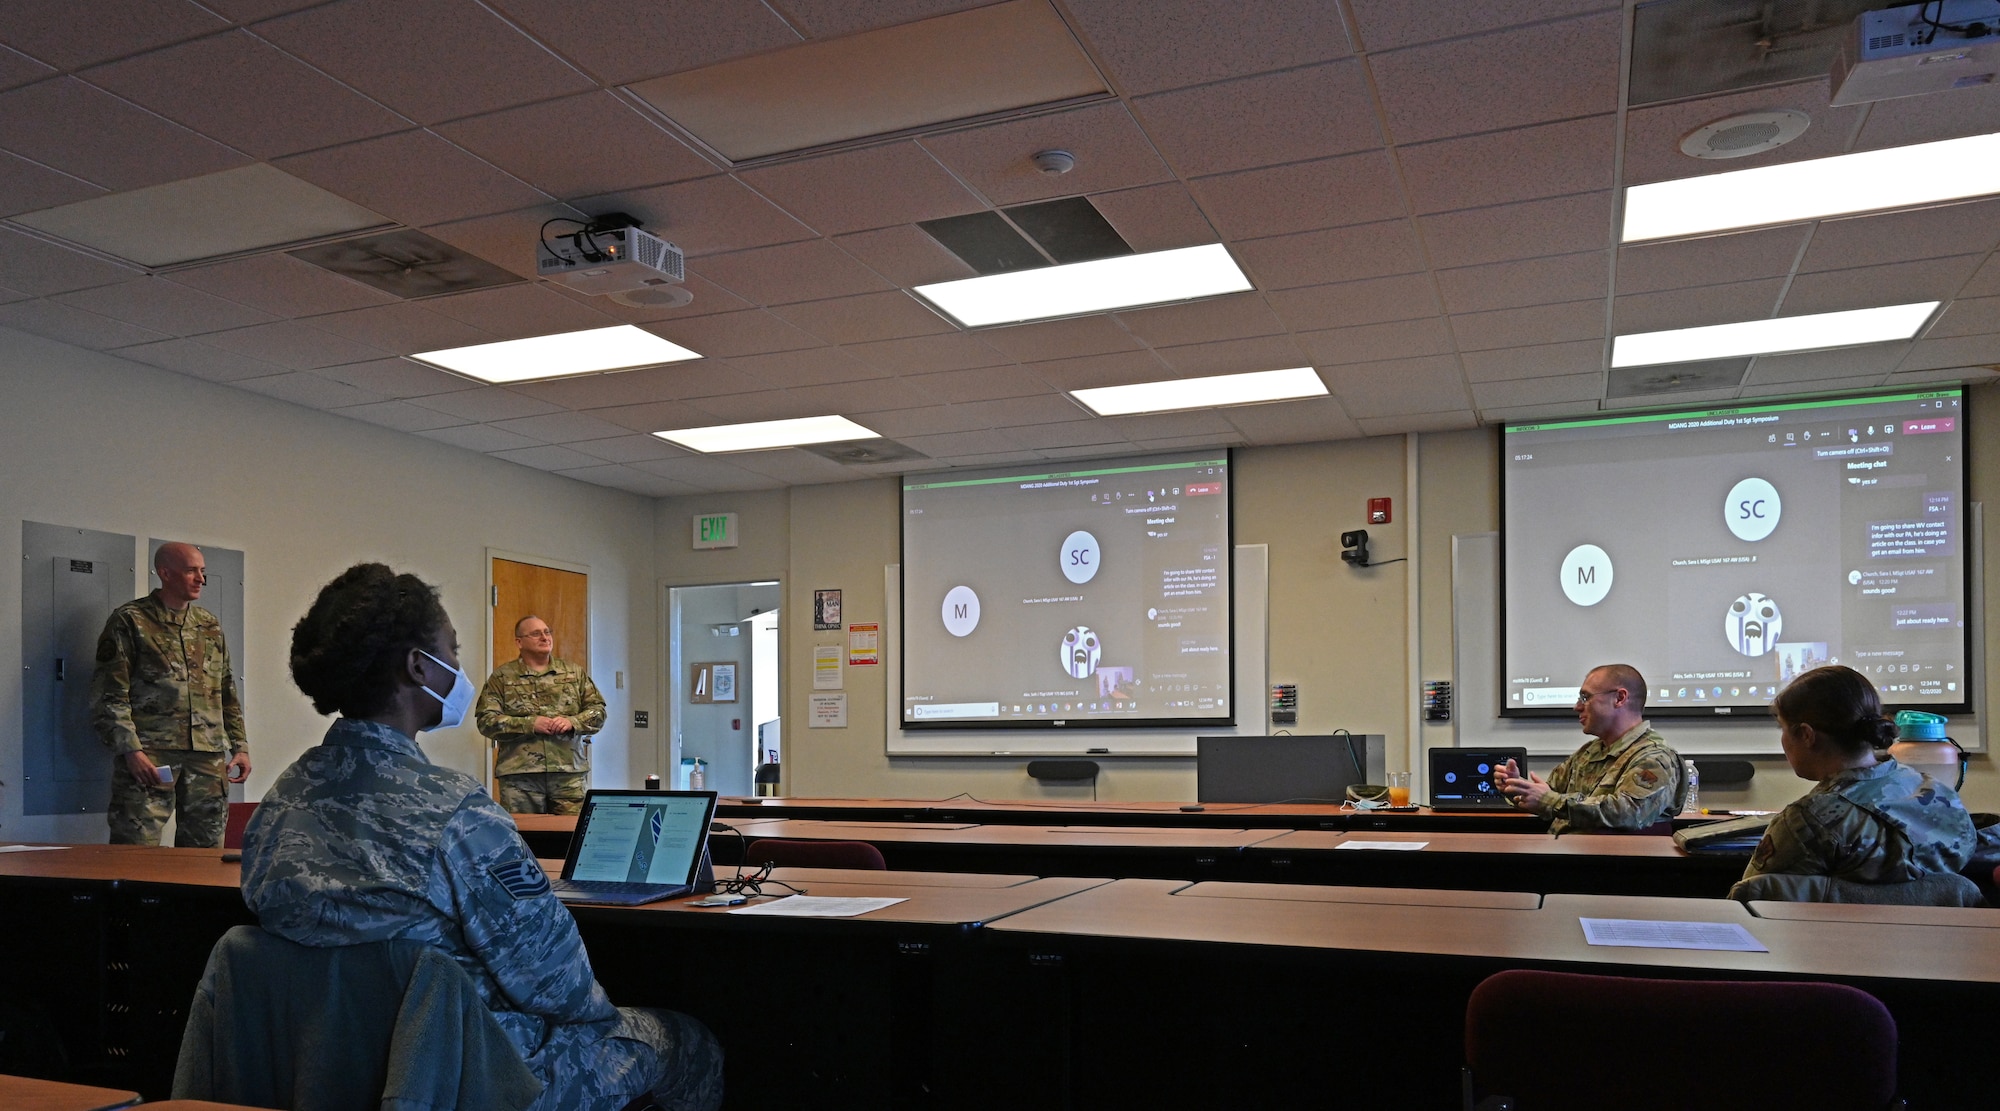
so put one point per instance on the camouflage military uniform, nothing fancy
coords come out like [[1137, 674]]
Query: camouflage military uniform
[[363, 839], [1883, 824], [163, 685], [540, 772], [1629, 783]]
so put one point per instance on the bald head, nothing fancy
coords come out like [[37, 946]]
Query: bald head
[[182, 572]]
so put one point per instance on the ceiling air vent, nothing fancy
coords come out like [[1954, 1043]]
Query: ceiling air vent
[[406, 264]]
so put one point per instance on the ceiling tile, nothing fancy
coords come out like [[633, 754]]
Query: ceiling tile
[[1428, 385], [102, 139], [1332, 192], [1653, 134], [488, 64], [1694, 308], [1158, 46], [808, 401], [826, 18], [291, 344], [631, 481], [955, 387], [706, 216], [1055, 339], [1418, 422], [794, 467], [1161, 426], [628, 448], [415, 178], [399, 378], [655, 416], [37, 267], [1504, 79], [1544, 360], [507, 240], [1986, 282], [1501, 413], [1084, 372], [1233, 356], [871, 316], [710, 473], [1374, 343], [399, 415], [706, 378], [487, 403], [1538, 391], [1289, 116], [18, 69], [1925, 354], [1232, 316], [816, 366], [1111, 152], [240, 91], [1016, 412], [951, 445], [1875, 359], [1896, 236], [250, 11], [1823, 385], [307, 389], [69, 34], [624, 150], [1741, 256], [1971, 375], [627, 387], [1291, 422], [164, 307], [1334, 255], [951, 351], [478, 437], [1513, 285], [1071, 439], [517, 311], [1924, 119], [194, 358], [1530, 229], [1391, 23], [1931, 279], [855, 190], [1540, 324], [654, 36], [73, 326], [904, 256], [281, 285], [547, 457], [734, 334], [1156, 217], [401, 329], [810, 270], [26, 186], [709, 300], [1967, 316], [1345, 304], [1651, 400], [1524, 164]]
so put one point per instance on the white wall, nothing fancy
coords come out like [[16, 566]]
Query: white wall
[[96, 442]]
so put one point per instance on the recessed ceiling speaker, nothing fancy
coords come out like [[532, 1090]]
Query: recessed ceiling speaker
[[1747, 134], [1054, 161], [664, 296]]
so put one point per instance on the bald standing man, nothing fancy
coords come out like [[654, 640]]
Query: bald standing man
[[164, 697], [1624, 778]]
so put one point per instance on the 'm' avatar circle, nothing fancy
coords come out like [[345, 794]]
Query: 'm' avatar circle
[[1080, 651], [1753, 624]]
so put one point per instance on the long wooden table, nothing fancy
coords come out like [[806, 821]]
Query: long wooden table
[[20, 1093], [1213, 815]]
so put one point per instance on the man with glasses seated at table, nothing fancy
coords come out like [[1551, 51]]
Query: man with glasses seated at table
[[1625, 778]]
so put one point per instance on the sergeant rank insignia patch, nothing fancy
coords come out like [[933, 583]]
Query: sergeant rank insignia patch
[[523, 879]]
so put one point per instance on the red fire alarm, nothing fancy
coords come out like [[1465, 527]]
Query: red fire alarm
[[1378, 511]]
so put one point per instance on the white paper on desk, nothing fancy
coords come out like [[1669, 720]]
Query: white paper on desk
[[30, 848], [816, 906], [1644, 934], [1404, 846]]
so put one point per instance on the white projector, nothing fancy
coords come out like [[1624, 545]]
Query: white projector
[[1917, 49], [627, 264]]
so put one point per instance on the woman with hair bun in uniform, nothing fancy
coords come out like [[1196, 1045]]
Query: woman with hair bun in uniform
[[1869, 819]]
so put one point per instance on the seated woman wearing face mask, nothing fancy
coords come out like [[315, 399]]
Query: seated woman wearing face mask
[[1869, 820], [363, 839]]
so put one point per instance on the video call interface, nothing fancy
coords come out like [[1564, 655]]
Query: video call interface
[[641, 841], [1724, 552], [1099, 596]]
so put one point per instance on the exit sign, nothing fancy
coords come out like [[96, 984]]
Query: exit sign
[[714, 530]]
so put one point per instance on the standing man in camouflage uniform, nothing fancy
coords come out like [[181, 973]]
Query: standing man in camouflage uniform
[[541, 711], [164, 695], [1626, 778]]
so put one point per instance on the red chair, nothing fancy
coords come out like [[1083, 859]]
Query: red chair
[[1742, 1044], [785, 853], [232, 830]]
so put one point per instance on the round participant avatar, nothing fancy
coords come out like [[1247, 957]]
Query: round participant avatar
[[1080, 651], [1752, 625]]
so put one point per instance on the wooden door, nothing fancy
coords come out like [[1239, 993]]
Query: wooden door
[[561, 598]]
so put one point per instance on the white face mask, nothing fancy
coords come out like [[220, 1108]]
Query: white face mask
[[457, 702]]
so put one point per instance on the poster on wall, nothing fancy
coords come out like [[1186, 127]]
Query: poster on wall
[[711, 682], [826, 667], [864, 644], [827, 711], [826, 610]]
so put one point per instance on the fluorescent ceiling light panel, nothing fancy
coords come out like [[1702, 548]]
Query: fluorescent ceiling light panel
[[1899, 177], [1202, 393], [766, 434], [1102, 285], [622, 347], [1769, 337]]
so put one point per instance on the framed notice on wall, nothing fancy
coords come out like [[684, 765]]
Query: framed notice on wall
[[713, 682]]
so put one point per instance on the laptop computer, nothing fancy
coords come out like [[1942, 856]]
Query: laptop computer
[[1462, 778], [634, 847]]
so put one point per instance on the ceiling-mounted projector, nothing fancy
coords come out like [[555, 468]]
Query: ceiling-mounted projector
[[611, 257], [1917, 49]]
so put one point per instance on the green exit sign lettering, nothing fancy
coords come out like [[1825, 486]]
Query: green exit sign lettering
[[714, 530]]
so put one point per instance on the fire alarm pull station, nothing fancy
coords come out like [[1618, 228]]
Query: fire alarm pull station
[[1378, 511]]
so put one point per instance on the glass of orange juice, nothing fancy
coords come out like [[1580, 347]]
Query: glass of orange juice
[[1399, 788]]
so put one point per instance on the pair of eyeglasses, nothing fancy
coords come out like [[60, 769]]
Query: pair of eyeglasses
[[1585, 696], [544, 634]]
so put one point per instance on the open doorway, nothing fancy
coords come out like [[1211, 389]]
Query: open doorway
[[722, 672]]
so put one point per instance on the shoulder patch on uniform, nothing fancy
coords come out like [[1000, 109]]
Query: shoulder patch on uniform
[[523, 879], [1648, 777]]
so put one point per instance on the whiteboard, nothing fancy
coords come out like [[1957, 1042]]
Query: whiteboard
[[1251, 571], [1476, 720]]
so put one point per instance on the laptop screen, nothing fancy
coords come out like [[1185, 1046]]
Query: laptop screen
[[640, 836], [1464, 776]]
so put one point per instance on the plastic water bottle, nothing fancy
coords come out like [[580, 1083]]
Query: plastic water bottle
[[695, 777], [1693, 774]]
